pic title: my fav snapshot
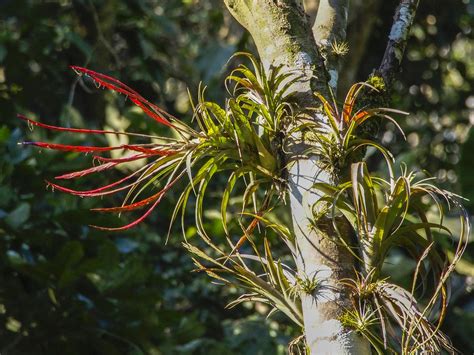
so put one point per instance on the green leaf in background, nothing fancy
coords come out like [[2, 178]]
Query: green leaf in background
[[121, 299], [19, 215]]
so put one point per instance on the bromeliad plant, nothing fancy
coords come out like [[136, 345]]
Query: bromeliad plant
[[248, 140], [387, 215], [244, 139], [340, 139]]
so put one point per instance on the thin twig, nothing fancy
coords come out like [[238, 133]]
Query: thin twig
[[397, 39]]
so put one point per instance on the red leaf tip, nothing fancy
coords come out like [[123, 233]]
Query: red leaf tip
[[78, 70]]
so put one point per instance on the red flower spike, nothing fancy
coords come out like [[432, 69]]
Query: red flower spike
[[130, 225], [113, 84], [156, 198], [78, 130], [99, 191], [91, 73], [121, 160], [132, 206], [64, 129], [94, 192], [150, 151], [142, 151], [91, 149], [150, 113], [142, 203], [72, 148], [91, 170]]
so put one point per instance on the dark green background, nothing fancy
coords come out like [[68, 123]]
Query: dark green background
[[69, 289]]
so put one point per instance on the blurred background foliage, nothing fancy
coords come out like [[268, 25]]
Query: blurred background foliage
[[69, 289]]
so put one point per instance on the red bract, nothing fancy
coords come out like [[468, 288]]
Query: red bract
[[81, 173], [72, 148], [113, 84], [166, 163]]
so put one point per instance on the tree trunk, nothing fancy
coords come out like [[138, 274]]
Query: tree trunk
[[283, 36], [318, 256]]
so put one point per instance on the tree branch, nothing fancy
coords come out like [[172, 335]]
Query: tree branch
[[311, 8], [397, 40], [329, 29], [282, 35]]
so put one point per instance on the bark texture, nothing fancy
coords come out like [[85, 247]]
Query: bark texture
[[318, 256], [329, 30], [283, 35], [397, 39]]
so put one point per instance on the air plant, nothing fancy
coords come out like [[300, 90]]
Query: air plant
[[339, 48], [337, 140], [227, 140], [164, 160], [387, 214], [244, 139], [247, 140]]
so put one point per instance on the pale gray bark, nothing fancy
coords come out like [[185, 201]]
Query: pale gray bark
[[318, 256], [311, 8], [283, 36]]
